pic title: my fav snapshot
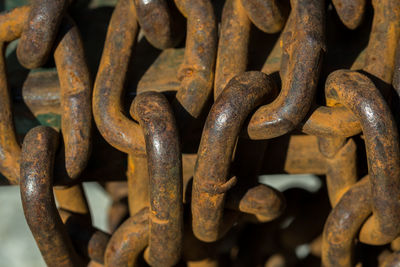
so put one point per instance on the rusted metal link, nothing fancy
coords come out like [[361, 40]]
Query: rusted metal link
[[56, 242], [395, 244], [337, 246], [138, 183], [253, 201], [393, 260], [41, 94], [382, 42], [261, 201], [303, 46], [75, 96], [264, 202], [40, 31], [319, 122], [232, 45], [126, 135], [351, 12], [12, 23], [385, 33], [118, 130], [341, 168], [396, 74], [9, 144], [163, 151], [196, 73], [381, 141], [155, 116], [38, 153], [379, 63], [352, 211], [343, 224], [242, 94], [75, 101], [161, 26], [11, 28], [128, 241], [95, 245], [234, 37], [265, 14]]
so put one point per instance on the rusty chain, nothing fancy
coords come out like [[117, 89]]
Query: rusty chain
[[193, 101]]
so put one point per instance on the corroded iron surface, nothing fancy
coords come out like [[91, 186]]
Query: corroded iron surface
[[195, 103]]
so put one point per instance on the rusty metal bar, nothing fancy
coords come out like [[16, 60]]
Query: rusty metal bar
[[40, 31], [38, 153], [155, 116], [210, 182]]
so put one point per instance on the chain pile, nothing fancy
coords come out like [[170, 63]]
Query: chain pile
[[179, 123]]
